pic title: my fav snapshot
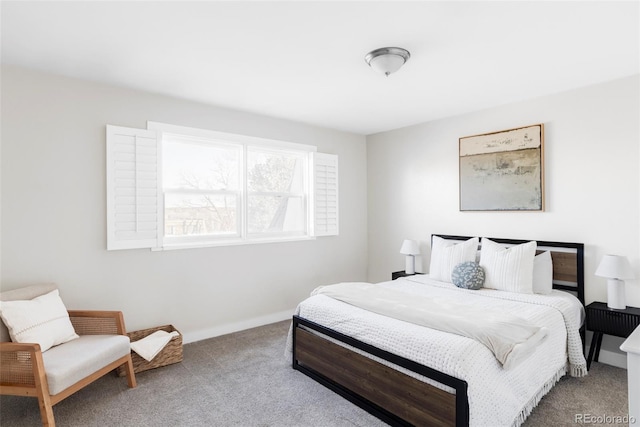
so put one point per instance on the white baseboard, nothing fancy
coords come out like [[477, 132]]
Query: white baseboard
[[613, 358], [229, 328], [609, 353]]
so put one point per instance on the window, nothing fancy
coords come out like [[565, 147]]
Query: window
[[202, 191], [277, 192], [210, 188]]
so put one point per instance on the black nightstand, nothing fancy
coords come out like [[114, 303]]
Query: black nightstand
[[604, 320], [396, 274]]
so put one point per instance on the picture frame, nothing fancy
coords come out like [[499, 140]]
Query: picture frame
[[503, 171]]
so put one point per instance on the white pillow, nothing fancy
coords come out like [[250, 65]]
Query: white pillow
[[508, 269], [543, 273], [43, 320], [446, 254]]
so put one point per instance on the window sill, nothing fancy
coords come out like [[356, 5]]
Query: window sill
[[210, 244]]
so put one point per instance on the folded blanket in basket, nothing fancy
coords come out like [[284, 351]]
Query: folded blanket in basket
[[149, 346]]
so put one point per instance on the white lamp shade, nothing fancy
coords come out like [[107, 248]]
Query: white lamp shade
[[410, 247], [615, 267]]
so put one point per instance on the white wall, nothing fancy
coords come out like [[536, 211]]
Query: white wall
[[592, 164], [53, 201], [53, 213]]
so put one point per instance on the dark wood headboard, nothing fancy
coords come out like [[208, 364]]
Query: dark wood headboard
[[568, 261]]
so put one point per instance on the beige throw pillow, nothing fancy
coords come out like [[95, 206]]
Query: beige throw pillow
[[43, 320]]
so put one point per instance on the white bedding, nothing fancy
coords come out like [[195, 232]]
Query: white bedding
[[497, 397], [510, 338]]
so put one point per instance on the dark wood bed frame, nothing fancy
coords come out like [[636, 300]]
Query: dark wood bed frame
[[394, 397]]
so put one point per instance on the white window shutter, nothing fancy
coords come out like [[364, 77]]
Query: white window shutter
[[325, 197], [133, 188]]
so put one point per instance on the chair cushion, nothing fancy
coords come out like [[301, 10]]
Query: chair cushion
[[70, 362]]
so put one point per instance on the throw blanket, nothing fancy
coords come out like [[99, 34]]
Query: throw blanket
[[510, 338], [561, 301], [149, 346]]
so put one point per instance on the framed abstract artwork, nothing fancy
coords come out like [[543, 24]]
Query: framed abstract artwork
[[503, 171]]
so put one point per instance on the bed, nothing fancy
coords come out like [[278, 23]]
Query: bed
[[408, 374]]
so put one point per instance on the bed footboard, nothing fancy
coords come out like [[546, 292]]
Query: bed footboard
[[390, 395]]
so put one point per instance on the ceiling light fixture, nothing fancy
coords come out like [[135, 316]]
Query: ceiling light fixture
[[387, 60]]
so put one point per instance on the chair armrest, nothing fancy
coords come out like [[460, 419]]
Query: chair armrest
[[19, 363], [16, 346], [94, 322]]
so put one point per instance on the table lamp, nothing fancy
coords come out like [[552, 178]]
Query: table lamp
[[615, 268], [410, 248]]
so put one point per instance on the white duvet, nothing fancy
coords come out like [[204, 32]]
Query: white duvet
[[497, 396]]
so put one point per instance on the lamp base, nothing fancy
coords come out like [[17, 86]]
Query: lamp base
[[615, 294], [410, 265]]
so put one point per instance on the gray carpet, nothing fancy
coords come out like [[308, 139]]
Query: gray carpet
[[243, 379]]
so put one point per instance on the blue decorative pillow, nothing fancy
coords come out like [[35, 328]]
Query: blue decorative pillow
[[468, 275]]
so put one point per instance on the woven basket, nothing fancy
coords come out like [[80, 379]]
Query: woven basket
[[171, 353]]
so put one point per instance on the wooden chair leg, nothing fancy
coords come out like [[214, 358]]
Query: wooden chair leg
[[131, 376], [42, 390], [46, 410]]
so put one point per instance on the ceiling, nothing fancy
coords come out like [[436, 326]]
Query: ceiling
[[304, 61]]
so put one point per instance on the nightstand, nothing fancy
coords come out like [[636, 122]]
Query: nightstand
[[604, 320], [396, 274]]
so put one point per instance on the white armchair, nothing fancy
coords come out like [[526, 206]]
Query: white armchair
[[60, 371]]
